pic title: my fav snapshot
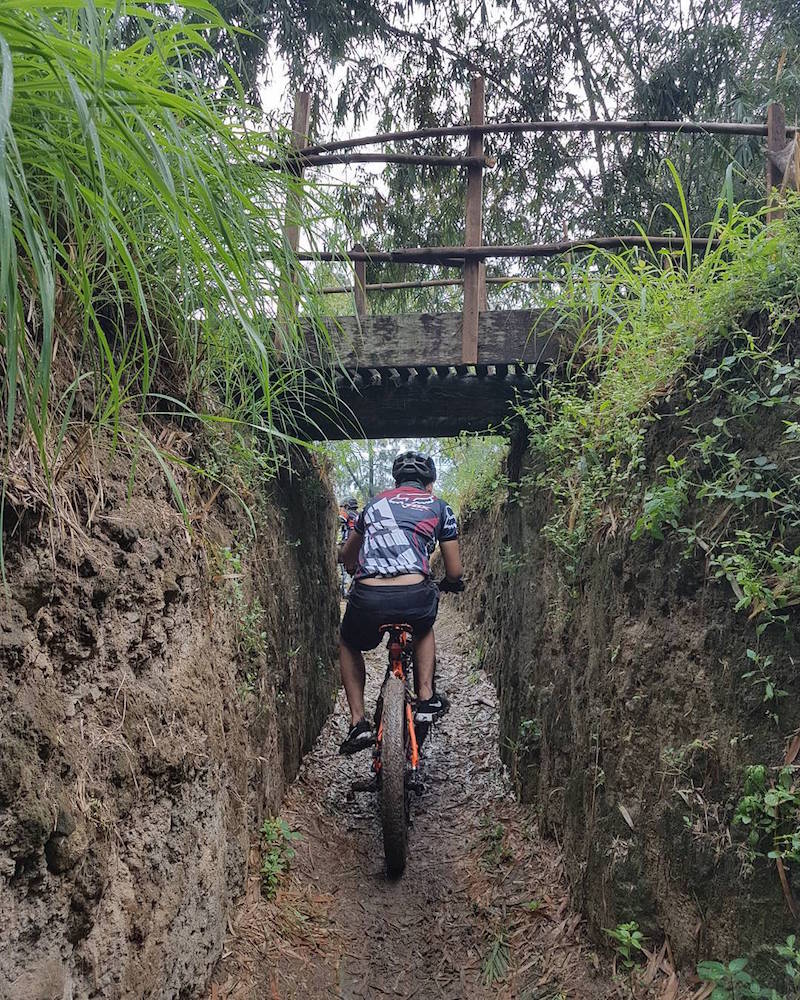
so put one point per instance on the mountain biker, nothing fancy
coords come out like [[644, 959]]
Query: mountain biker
[[389, 556], [348, 512]]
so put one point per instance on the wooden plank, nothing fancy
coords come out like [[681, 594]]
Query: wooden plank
[[776, 141], [474, 294], [430, 339]]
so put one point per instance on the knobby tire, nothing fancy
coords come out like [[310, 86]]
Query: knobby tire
[[393, 777]]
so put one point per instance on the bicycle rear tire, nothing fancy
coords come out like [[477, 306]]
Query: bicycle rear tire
[[394, 816]]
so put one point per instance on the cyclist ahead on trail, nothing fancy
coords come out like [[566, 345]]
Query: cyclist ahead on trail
[[389, 555], [348, 512]]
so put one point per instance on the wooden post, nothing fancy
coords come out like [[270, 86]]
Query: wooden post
[[776, 141], [360, 284], [474, 271], [483, 304], [291, 222], [302, 107]]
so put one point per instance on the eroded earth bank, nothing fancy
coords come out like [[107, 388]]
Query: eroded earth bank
[[157, 691]]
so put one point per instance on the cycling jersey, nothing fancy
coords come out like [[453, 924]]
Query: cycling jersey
[[400, 529]]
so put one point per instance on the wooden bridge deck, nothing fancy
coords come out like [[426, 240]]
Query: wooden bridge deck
[[402, 376], [430, 339]]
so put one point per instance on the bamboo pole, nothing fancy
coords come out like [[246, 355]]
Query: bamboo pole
[[454, 256], [394, 286], [302, 160], [474, 287], [592, 125]]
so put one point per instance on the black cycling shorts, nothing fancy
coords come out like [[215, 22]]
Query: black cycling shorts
[[369, 607]]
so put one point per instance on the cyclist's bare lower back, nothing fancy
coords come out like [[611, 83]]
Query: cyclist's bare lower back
[[404, 580]]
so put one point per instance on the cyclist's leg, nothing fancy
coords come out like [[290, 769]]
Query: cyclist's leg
[[424, 658], [354, 675]]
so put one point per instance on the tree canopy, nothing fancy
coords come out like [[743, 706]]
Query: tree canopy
[[408, 64]]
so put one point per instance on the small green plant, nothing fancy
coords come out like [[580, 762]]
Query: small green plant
[[277, 853], [664, 503], [530, 734], [731, 982], [495, 850], [628, 942], [251, 638], [759, 676], [771, 809], [497, 961], [790, 953]]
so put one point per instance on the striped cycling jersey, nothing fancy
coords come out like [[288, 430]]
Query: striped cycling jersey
[[400, 529]]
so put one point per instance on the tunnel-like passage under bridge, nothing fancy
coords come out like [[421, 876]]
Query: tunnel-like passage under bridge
[[380, 394]]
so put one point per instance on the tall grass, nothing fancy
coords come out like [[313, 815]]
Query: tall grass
[[142, 256]]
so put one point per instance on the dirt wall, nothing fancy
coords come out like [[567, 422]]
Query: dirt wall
[[157, 691], [627, 724]]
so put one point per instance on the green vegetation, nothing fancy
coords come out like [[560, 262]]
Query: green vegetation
[[249, 614], [731, 982], [644, 320], [628, 942], [142, 255], [497, 961], [495, 851], [473, 477], [761, 678], [277, 853], [770, 810]]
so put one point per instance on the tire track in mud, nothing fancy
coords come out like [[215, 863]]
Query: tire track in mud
[[482, 910]]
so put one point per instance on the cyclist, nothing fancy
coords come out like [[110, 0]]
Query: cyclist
[[348, 512], [389, 556]]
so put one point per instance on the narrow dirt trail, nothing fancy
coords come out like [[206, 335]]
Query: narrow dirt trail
[[480, 881]]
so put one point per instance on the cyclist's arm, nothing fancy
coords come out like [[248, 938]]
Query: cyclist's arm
[[348, 552], [451, 554]]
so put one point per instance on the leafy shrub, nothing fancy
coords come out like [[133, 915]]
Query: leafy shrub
[[628, 942], [277, 853], [731, 982]]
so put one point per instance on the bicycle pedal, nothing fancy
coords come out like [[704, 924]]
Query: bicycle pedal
[[365, 785], [415, 785]]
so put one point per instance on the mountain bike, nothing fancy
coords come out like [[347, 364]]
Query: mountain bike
[[395, 759]]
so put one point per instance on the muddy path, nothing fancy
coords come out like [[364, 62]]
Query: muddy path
[[482, 910]]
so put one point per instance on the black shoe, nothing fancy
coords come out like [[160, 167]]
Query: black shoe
[[431, 709], [360, 737]]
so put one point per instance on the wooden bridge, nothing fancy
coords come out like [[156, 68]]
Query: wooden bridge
[[437, 374]]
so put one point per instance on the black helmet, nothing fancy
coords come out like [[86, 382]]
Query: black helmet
[[413, 466], [350, 504]]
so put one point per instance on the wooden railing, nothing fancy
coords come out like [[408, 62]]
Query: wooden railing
[[472, 256]]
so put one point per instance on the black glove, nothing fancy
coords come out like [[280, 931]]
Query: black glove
[[451, 586]]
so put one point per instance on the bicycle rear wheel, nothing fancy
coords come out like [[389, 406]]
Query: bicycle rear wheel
[[394, 815]]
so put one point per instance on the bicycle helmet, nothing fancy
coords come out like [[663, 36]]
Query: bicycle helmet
[[413, 467], [350, 504]]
